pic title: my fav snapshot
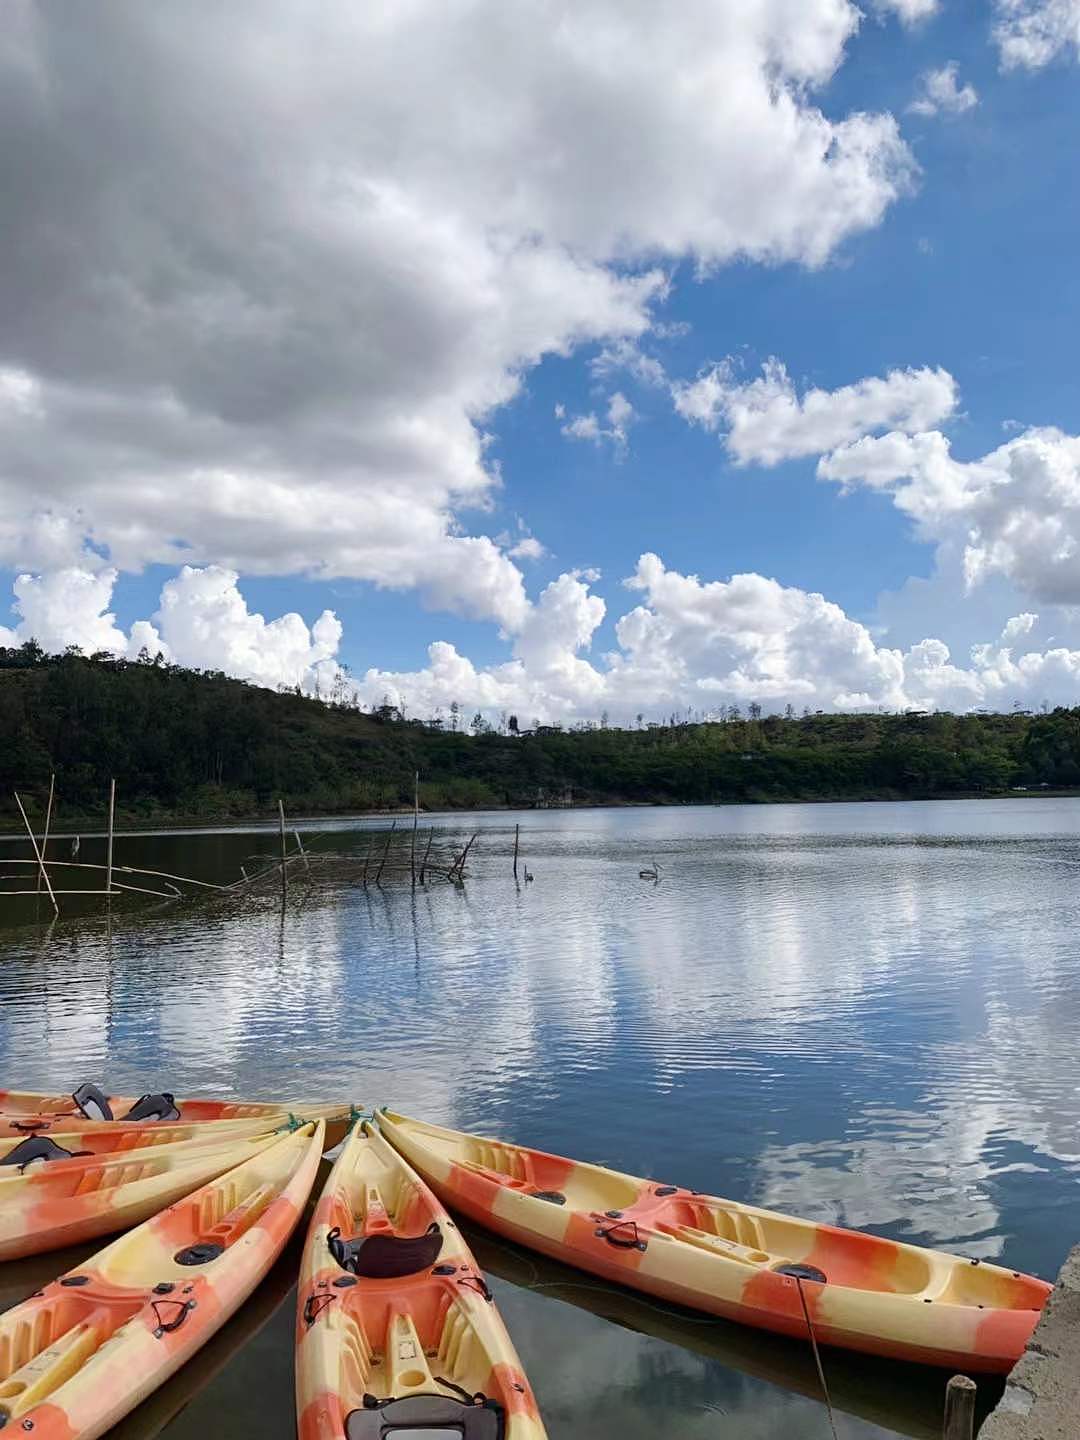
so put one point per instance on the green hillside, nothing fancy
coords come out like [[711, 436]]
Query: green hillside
[[187, 745]]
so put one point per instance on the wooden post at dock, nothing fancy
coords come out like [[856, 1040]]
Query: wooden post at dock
[[109, 850], [959, 1409], [37, 854], [284, 854], [517, 833]]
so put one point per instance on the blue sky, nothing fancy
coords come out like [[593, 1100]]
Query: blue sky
[[961, 261]]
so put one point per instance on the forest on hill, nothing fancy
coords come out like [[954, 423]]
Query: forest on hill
[[196, 745]]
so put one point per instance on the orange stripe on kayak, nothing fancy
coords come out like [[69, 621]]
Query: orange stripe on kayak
[[323, 1418], [848, 1257], [50, 1423]]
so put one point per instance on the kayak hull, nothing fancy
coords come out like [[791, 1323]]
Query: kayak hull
[[873, 1295], [24, 1112], [80, 1354], [52, 1204], [408, 1320]]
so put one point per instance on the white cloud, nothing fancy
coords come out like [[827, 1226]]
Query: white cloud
[[766, 421], [69, 607], [1013, 512], [939, 93], [620, 415], [203, 622], [1031, 33], [528, 548], [628, 355], [704, 645], [1018, 626], [687, 644], [299, 292], [910, 12]]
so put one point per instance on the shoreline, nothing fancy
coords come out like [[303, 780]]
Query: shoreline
[[91, 827]]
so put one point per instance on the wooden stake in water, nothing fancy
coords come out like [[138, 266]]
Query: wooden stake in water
[[45, 833], [415, 822], [517, 833], [109, 851], [37, 854], [427, 852], [303, 852], [959, 1409], [284, 855], [385, 853]]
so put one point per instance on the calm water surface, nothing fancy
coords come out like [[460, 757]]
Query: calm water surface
[[866, 1014]]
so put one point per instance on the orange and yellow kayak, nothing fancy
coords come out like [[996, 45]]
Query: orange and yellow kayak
[[754, 1266], [397, 1332], [81, 1353], [111, 1138], [24, 1112], [48, 1203]]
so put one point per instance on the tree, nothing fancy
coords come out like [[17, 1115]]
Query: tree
[[512, 725], [754, 710], [789, 711], [455, 712]]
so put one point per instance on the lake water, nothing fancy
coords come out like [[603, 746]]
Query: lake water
[[866, 1014]]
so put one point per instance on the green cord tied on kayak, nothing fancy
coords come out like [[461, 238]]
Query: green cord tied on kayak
[[356, 1116], [292, 1123]]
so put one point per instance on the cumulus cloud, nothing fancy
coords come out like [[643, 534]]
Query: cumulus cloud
[[1031, 33], [766, 421], [203, 622], [705, 645], [620, 415], [1013, 512], [269, 271], [910, 12], [941, 93]]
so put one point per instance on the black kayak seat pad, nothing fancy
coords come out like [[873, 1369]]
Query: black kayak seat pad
[[426, 1417]]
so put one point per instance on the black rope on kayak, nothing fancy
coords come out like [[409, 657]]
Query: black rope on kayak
[[817, 1357], [469, 1397], [314, 1306], [477, 1283]]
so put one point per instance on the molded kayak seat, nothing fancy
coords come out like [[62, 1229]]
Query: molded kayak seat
[[154, 1107], [425, 1417], [386, 1257]]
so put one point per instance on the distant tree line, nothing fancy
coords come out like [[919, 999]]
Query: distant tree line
[[187, 744]]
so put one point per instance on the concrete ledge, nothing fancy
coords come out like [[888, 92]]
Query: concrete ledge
[[1042, 1396]]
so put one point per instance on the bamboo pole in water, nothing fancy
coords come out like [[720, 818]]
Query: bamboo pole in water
[[284, 855], [459, 863], [109, 853], [385, 853], [45, 832], [118, 870], [303, 852], [37, 853], [415, 822], [959, 1409], [517, 834], [427, 852]]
